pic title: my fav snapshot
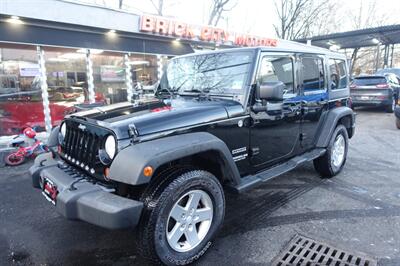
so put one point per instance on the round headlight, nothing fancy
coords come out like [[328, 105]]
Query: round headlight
[[61, 133], [110, 146], [63, 129]]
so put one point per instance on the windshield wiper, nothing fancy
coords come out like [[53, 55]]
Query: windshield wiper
[[167, 90], [204, 93]]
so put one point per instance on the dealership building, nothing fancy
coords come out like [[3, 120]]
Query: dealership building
[[57, 56]]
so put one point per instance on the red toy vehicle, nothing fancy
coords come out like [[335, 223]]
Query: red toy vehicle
[[19, 156]]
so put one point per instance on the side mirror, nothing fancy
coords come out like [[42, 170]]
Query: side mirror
[[270, 91]]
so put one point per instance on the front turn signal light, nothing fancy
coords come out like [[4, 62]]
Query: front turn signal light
[[148, 171], [106, 172]]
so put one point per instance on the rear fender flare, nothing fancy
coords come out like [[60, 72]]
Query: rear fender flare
[[331, 122]]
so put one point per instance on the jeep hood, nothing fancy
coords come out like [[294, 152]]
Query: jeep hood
[[156, 116]]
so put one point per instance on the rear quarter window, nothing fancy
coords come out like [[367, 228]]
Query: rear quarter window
[[338, 74]]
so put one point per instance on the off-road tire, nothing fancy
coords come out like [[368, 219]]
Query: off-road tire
[[390, 108], [398, 123], [323, 165], [158, 200]]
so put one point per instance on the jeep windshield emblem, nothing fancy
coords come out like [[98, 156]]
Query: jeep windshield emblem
[[82, 127]]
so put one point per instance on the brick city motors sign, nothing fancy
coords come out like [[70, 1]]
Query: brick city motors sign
[[173, 28]]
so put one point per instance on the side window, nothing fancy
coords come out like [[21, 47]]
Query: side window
[[313, 75], [338, 74], [277, 68]]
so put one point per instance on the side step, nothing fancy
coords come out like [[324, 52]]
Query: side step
[[251, 181]]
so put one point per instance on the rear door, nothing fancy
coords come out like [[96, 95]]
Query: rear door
[[314, 96]]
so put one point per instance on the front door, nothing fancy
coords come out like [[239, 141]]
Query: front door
[[274, 134]]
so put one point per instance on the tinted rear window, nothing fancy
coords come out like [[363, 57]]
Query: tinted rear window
[[369, 81]]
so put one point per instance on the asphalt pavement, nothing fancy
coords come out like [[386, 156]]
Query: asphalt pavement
[[357, 211]]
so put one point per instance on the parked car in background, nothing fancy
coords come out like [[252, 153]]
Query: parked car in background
[[395, 71], [375, 90]]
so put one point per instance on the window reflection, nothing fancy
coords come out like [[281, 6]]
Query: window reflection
[[313, 75], [214, 73], [338, 74], [277, 68], [66, 79], [21, 103], [109, 77], [143, 72], [20, 95]]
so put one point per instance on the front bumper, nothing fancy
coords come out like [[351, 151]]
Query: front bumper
[[80, 199]]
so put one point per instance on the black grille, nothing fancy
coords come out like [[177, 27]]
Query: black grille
[[81, 145], [306, 251]]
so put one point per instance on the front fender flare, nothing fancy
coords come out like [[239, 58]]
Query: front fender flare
[[128, 165]]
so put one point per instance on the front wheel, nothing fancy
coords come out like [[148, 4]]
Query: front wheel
[[332, 162], [181, 217], [14, 159]]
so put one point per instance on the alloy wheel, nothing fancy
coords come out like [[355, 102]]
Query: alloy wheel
[[338, 151], [189, 220]]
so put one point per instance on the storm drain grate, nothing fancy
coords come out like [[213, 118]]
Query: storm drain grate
[[305, 251]]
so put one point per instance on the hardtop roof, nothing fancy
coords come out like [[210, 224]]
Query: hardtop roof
[[282, 46]]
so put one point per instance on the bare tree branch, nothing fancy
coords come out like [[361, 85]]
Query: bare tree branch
[[297, 18], [159, 5], [217, 9]]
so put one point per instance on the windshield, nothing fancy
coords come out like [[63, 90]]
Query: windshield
[[214, 74]]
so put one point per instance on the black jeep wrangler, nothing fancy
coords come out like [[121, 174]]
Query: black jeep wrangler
[[223, 119]]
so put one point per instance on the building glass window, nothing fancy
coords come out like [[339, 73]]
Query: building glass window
[[109, 77], [66, 81], [20, 94], [143, 69], [21, 103]]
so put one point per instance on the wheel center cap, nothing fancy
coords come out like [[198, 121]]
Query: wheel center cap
[[189, 219]]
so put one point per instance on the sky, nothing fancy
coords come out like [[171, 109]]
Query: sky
[[257, 16]]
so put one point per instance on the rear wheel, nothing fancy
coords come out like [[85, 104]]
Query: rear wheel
[[398, 123], [180, 217], [390, 108], [332, 162]]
